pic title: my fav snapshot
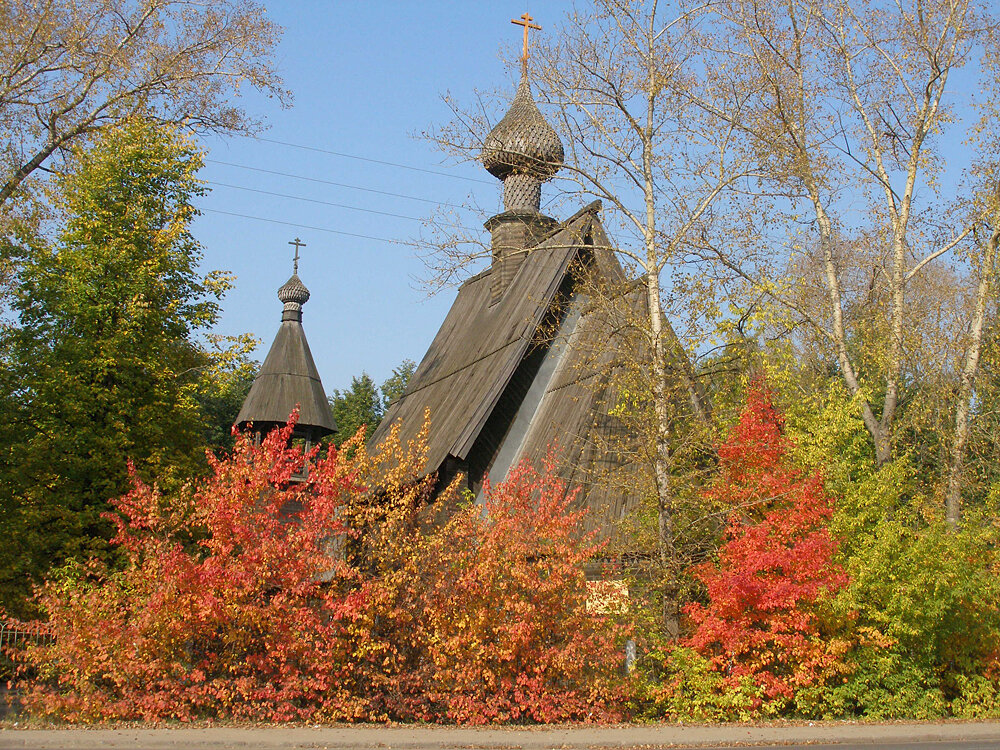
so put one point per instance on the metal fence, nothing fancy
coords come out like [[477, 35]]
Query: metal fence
[[16, 635], [20, 634]]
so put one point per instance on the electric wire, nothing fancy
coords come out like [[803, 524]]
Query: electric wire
[[303, 226], [366, 158], [335, 205], [335, 184]]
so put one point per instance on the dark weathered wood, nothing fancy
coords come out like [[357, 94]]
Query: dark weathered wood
[[487, 353], [478, 348], [288, 378]]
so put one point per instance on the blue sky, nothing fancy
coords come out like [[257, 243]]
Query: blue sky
[[367, 78]]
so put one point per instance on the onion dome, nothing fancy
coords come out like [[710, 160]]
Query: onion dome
[[294, 290], [294, 294], [523, 142]]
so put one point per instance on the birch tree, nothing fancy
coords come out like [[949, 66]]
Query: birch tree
[[855, 105], [984, 305], [620, 79]]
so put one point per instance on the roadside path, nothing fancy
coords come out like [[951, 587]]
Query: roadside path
[[965, 735]]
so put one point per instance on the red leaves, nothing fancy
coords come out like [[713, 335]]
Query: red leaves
[[354, 607], [220, 610], [776, 564]]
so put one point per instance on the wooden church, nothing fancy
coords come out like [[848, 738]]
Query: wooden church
[[524, 360]]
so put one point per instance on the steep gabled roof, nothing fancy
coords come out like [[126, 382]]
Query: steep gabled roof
[[480, 345]]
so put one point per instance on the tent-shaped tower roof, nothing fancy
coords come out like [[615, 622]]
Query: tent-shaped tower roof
[[289, 378]]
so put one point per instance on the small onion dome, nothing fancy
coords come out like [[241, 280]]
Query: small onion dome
[[294, 291], [523, 142], [294, 294]]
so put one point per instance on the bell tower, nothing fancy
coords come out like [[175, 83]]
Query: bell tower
[[288, 377]]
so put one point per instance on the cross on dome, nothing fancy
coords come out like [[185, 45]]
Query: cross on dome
[[523, 149], [526, 22], [295, 262]]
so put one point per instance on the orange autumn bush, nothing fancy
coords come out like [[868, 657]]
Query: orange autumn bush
[[495, 602], [346, 597]]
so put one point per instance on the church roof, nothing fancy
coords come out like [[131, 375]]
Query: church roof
[[479, 346], [288, 377], [484, 361]]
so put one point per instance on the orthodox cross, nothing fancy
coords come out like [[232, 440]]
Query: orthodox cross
[[526, 22], [298, 243]]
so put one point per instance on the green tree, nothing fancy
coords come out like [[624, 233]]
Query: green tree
[[226, 373], [395, 385], [364, 403], [359, 405], [102, 366]]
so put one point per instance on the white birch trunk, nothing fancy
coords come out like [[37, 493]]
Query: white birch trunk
[[963, 409]]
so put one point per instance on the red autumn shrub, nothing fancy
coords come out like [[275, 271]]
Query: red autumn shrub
[[775, 565], [219, 609], [255, 597]]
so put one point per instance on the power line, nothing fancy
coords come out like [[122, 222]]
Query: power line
[[330, 203], [335, 184], [367, 159], [303, 226]]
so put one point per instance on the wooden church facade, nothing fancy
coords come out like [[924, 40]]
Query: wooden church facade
[[524, 361]]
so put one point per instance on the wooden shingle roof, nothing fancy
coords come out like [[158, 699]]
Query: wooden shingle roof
[[480, 345], [288, 377]]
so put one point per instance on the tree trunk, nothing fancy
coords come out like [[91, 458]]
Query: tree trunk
[[877, 429], [956, 454], [661, 395], [25, 170]]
